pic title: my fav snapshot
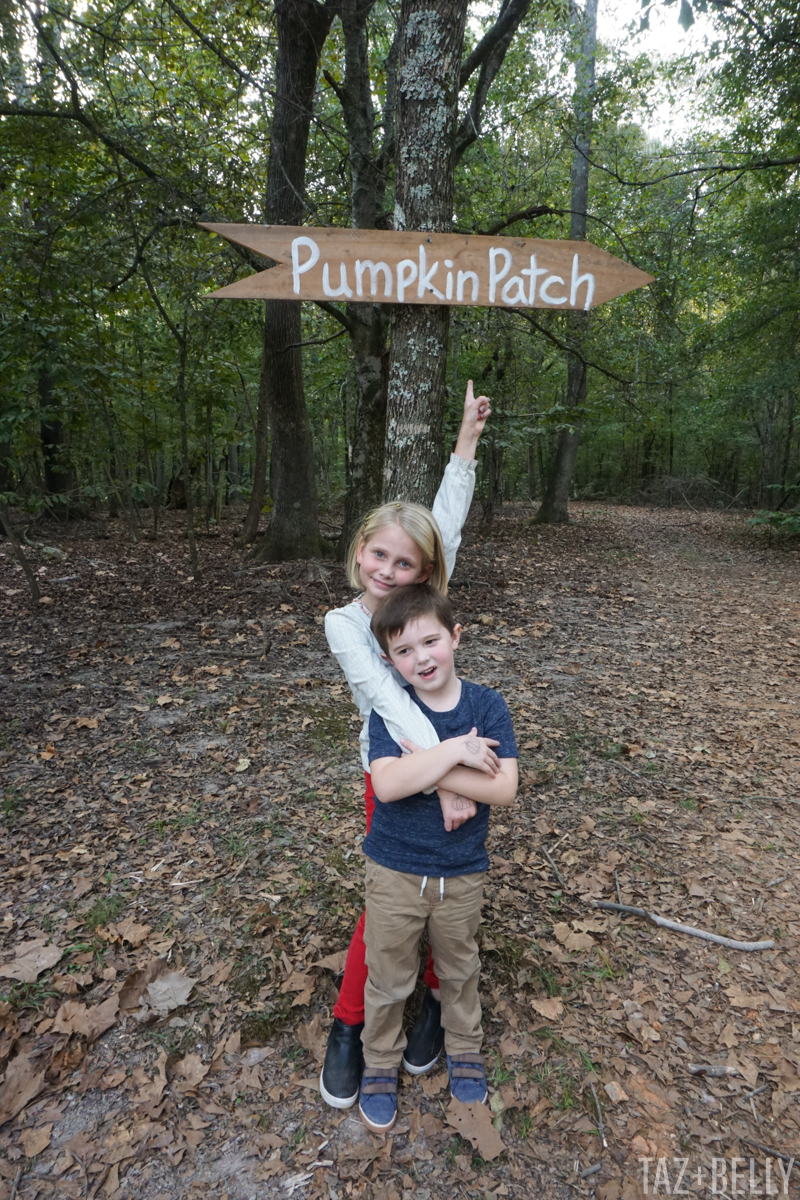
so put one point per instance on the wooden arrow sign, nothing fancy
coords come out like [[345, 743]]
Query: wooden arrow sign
[[374, 266]]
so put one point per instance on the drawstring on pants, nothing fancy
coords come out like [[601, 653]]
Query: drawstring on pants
[[425, 883]]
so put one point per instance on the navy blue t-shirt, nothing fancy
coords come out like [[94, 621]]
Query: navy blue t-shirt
[[409, 835]]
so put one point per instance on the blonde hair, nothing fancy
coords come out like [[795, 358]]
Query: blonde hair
[[420, 525]]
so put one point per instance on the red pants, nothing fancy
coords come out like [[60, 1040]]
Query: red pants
[[350, 1005]]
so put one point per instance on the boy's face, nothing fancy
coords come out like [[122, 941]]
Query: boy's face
[[423, 654]]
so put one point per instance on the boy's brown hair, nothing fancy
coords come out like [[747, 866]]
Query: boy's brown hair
[[406, 604]]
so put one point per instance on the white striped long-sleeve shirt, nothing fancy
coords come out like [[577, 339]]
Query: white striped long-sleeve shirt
[[375, 684]]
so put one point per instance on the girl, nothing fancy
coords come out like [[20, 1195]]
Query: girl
[[399, 543]]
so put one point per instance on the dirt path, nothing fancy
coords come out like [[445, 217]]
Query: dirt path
[[181, 798]]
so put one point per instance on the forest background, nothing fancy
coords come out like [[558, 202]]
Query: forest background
[[122, 126]]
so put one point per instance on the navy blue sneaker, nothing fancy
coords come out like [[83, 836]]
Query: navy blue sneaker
[[341, 1071], [426, 1038], [378, 1103], [467, 1078]]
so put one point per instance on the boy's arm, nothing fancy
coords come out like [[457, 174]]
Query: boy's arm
[[499, 790], [496, 723], [397, 778]]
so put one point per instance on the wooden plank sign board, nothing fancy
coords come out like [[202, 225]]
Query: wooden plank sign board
[[374, 266]]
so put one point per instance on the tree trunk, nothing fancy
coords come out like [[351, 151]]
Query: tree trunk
[[187, 473], [366, 448], [294, 529], [59, 477], [234, 493], [367, 325], [553, 509], [302, 26], [431, 37], [19, 553]]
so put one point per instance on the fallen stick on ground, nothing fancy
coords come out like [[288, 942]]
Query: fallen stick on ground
[[601, 1129], [712, 1072], [767, 1150], [556, 871], [699, 791], [663, 923]]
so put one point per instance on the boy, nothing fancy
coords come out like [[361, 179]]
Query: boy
[[416, 871]]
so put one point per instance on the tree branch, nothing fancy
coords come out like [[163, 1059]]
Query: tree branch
[[499, 39], [79, 113], [337, 315], [562, 345], [314, 342], [524, 214], [140, 249], [710, 170], [512, 13], [750, 19], [244, 76]]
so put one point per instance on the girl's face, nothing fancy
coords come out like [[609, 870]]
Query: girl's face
[[389, 559]]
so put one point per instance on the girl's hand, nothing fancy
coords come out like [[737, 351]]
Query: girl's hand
[[477, 752], [455, 809], [476, 411]]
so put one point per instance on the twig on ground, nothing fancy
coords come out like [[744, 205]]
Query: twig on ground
[[662, 782], [15, 1184], [79, 1161], [691, 506], [323, 581], [701, 792], [241, 866], [619, 889], [601, 1129], [775, 882], [712, 1072], [691, 930], [749, 1095], [767, 1150], [591, 1170], [556, 871]]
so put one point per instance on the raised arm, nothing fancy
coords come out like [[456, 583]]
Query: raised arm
[[453, 500]]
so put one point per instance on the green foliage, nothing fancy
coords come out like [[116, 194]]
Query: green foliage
[[693, 381], [104, 909], [787, 523]]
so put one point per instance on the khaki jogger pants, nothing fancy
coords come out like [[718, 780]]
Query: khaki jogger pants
[[398, 908]]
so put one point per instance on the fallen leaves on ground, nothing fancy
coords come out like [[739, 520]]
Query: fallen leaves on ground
[[181, 827]]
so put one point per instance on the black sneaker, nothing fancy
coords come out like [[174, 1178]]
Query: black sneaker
[[426, 1038], [340, 1077]]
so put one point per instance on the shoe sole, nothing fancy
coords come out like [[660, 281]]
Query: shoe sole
[[481, 1101], [413, 1069], [336, 1101], [377, 1128]]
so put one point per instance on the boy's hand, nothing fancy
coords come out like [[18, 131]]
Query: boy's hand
[[476, 411], [477, 752], [455, 809]]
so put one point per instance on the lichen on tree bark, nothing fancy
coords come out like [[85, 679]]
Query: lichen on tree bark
[[431, 38]]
